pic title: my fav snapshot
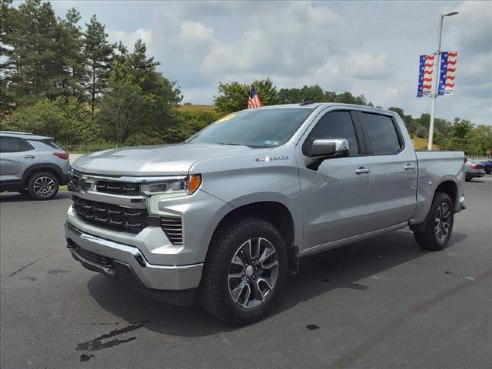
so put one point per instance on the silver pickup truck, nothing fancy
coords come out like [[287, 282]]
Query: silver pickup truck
[[224, 216]]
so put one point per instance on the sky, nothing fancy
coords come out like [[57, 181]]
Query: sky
[[368, 48]]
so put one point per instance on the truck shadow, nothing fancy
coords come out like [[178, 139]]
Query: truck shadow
[[319, 274]]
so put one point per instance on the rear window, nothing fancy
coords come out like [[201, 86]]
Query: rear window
[[50, 143], [381, 134]]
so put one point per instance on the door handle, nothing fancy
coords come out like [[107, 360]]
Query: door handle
[[409, 167], [362, 170], [29, 157]]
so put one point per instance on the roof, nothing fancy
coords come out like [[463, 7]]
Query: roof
[[316, 105], [25, 135]]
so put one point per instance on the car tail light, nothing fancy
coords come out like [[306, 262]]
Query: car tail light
[[61, 155], [474, 166]]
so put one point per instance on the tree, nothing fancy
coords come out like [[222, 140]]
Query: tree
[[189, 122], [71, 59], [98, 55], [234, 96], [306, 93], [160, 96], [31, 40], [316, 94], [139, 99], [64, 118], [460, 136], [6, 65], [407, 119], [348, 98], [482, 139], [122, 108]]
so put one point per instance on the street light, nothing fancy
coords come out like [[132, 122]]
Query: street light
[[437, 65]]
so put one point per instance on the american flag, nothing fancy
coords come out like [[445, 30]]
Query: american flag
[[448, 68], [426, 72], [253, 100]]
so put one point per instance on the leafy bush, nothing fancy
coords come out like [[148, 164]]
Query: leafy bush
[[189, 123], [141, 138], [63, 118]]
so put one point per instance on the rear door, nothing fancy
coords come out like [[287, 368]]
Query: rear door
[[336, 196], [16, 155], [393, 169]]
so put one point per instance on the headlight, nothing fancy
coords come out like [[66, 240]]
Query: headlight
[[173, 187]]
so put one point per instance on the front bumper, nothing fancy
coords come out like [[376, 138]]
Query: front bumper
[[109, 257], [65, 178]]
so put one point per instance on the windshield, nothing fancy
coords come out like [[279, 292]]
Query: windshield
[[254, 128]]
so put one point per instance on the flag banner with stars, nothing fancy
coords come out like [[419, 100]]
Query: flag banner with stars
[[426, 73], [447, 75]]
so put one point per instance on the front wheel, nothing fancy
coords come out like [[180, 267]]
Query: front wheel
[[438, 224], [244, 272], [42, 186]]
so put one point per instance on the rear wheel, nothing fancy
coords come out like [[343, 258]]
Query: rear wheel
[[42, 186], [438, 224], [245, 271]]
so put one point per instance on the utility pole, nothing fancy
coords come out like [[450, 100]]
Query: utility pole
[[435, 87]]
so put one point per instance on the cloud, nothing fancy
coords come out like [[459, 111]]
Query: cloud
[[288, 46], [129, 38], [368, 66], [196, 32], [368, 48]]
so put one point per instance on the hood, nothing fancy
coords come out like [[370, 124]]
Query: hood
[[152, 160]]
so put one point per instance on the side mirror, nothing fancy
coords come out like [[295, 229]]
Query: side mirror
[[329, 148]]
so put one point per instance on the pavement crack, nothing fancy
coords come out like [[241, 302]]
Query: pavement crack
[[21, 269]]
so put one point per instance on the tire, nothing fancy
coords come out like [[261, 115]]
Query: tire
[[42, 186], [244, 272], [439, 224]]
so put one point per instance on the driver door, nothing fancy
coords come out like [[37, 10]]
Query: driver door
[[337, 196]]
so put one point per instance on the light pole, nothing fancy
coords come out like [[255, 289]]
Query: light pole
[[437, 65]]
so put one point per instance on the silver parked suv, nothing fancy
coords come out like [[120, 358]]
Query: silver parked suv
[[32, 164]]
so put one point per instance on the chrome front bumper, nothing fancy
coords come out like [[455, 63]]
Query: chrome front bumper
[[150, 276]]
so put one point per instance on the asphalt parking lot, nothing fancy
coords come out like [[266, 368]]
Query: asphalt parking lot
[[382, 303]]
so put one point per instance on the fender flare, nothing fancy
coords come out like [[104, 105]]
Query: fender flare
[[43, 167]]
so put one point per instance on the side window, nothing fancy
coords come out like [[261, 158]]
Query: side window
[[12, 144], [381, 134], [337, 124]]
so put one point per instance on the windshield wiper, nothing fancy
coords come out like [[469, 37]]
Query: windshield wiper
[[230, 144], [236, 144]]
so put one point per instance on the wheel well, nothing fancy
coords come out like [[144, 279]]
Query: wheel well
[[273, 212], [450, 189], [35, 170]]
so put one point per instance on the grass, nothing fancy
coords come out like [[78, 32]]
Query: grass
[[421, 144], [194, 108]]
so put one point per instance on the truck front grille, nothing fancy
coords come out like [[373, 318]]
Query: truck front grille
[[111, 216], [173, 229], [118, 188]]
